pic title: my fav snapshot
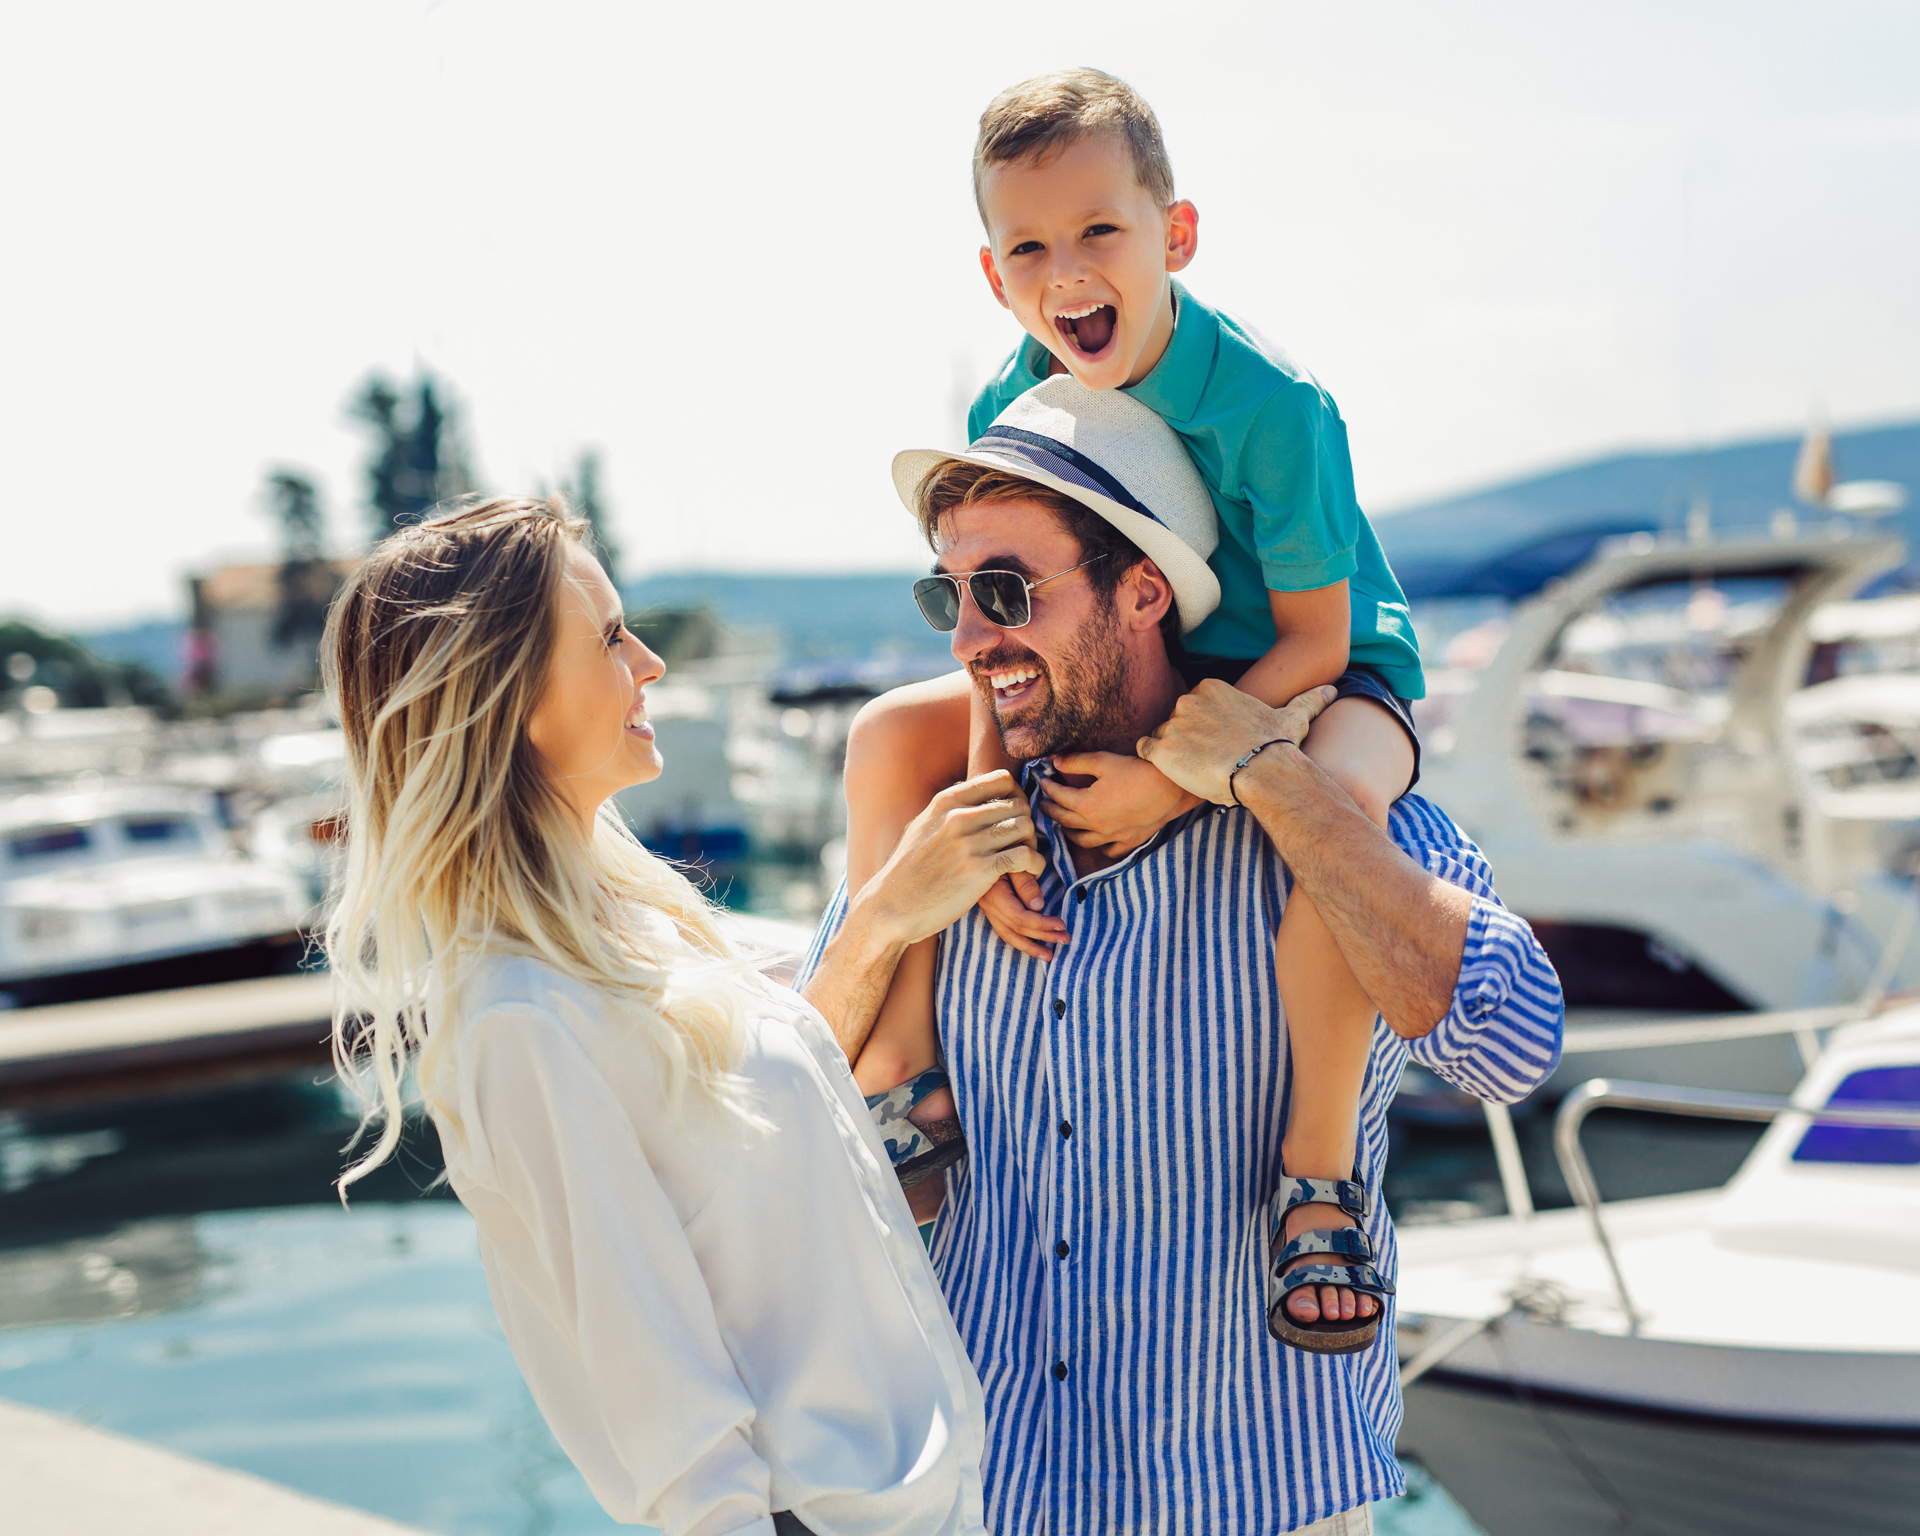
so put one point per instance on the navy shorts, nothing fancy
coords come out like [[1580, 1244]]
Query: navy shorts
[[1354, 683]]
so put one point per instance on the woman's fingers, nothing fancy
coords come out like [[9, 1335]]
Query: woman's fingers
[[1026, 888]]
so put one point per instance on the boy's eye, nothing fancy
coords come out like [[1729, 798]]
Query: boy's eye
[[1025, 248], [1100, 229]]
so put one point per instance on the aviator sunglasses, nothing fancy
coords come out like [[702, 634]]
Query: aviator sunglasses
[[1001, 596]]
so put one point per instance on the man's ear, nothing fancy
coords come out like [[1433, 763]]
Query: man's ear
[[993, 276], [1183, 235], [1144, 597]]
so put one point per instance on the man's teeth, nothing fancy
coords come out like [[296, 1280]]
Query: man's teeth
[[1080, 314], [1002, 681]]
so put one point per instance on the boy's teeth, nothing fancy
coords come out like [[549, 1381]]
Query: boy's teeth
[[1080, 314]]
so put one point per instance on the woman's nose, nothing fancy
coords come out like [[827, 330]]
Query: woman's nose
[[647, 667]]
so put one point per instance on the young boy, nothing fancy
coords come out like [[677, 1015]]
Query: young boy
[[1083, 237]]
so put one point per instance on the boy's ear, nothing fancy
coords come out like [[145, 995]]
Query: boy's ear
[[993, 276], [1183, 235]]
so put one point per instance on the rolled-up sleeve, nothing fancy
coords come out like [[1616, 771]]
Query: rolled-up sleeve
[[629, 1299], [1502, 1036]]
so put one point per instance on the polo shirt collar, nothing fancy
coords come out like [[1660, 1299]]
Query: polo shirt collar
[[1173, 389]]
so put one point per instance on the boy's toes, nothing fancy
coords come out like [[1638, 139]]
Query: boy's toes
[[1303, 1306]]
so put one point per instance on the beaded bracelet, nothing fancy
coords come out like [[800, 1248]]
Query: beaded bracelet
[[1233, 798]]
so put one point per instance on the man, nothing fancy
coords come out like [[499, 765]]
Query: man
[[1105, 1247]]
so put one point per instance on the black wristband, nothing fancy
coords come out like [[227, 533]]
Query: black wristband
[[1233, 773]]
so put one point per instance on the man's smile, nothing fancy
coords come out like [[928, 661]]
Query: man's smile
[[1011, 683]]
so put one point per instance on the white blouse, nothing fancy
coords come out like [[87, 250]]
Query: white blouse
[[714, 1327]]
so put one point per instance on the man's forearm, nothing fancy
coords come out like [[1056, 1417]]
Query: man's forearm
[[1401, 929], [851, 981]]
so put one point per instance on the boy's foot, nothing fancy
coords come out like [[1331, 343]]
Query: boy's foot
[[1311, 1303]]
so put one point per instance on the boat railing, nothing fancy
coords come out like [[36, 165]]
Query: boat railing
[[1708, 1103], [1806, 1025]]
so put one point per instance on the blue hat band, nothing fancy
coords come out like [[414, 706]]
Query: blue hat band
[[1063, 463]]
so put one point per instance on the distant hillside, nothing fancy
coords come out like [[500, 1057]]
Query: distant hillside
[[818, 618], [1434, 547]]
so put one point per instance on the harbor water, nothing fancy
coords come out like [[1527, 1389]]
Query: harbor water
[[177, 1269]]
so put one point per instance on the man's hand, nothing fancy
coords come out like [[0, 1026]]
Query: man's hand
[[1216, 725], [950, 855], [1127, 803]]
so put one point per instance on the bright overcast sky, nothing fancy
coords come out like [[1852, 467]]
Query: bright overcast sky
[[734, 247]]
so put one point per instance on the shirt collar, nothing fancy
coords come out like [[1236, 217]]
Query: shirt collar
[[1173, 389], [1061, 851]]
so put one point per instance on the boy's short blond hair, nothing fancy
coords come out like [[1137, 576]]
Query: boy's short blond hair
[[1041, 116]]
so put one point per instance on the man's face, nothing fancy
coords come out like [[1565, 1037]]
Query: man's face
[[1080, 252], [1059, 682]]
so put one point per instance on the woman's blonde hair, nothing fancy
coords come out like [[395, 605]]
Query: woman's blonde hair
[[436, 653]]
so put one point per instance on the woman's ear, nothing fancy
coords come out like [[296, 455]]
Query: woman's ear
[[1144, 597]]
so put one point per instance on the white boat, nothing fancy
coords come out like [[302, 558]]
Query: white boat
[[1741, 1360], [1624, 752], [102, 881]]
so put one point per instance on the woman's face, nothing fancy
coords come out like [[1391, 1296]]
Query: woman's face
[[590, 726]]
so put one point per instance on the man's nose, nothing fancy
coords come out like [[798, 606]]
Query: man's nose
[[975, 634]]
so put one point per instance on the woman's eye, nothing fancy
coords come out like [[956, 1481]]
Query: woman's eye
[[1025, 248]]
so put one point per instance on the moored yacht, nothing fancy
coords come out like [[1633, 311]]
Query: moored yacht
[[123, 888], [1741, 1360]]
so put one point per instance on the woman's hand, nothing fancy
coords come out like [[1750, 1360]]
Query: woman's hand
[[951, 854], [1127, 803]]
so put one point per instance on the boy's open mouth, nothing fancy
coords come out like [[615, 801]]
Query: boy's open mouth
[[1089, 329]]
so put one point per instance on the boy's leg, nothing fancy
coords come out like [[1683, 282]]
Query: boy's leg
[[1366, 751], [904, 749]]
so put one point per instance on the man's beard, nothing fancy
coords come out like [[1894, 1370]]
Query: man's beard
[[1086, 708]]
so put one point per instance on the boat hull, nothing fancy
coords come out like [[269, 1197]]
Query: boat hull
[[1522, 1462]]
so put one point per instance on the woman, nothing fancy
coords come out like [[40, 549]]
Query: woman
[[696, 1246]]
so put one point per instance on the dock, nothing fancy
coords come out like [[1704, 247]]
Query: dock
[[64, 1478], [150, 1041]]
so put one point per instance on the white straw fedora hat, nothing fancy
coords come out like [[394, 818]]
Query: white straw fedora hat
[[1112, 454]]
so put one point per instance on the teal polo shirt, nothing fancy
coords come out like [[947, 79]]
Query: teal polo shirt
[[1271, 446]]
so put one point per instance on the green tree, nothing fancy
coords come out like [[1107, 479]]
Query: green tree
[[32, 657], [416, 459], [582, 492], [306, 580]]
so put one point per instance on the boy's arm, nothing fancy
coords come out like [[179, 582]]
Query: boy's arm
[[1129, 801], [1313, 630]]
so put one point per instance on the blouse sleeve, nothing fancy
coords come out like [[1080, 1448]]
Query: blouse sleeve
[[556, 1145]]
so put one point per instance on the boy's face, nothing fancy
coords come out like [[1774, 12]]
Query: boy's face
[[1080, 252]]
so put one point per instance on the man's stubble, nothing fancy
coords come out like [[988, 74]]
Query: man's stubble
[[1088, 695]]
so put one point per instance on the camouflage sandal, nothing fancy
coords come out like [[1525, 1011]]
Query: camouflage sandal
[[918, 1151], [1324, 1336]]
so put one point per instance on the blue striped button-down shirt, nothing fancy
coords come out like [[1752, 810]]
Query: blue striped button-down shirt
[[1103, 1248]]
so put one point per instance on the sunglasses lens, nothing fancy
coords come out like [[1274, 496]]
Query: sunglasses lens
[[939, 601], [1002, 597]]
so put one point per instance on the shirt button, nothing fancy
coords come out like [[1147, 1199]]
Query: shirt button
[[1059, 1370], [1079, 893], [1066, 1129], [1060, 1249], [1059, 1007]]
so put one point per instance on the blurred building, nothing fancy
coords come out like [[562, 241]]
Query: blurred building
[[255, 629]]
